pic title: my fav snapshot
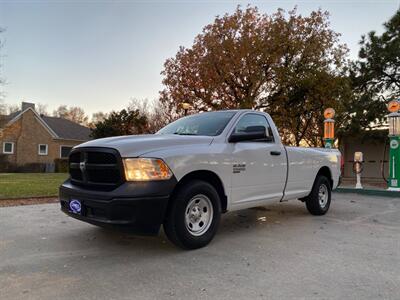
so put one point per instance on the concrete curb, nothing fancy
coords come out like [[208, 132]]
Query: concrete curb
[[29, 197], [371, 192]]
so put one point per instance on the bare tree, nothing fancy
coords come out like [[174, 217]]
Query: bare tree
[[158, 113], [97, 118], [12, 108], [74, 113], [61, 111], [42, 109]]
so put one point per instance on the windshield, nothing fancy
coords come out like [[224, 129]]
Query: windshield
[[210, 124]]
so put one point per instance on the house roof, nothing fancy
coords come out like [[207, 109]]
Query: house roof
[[58, 127], [4, 119], [66, 129]]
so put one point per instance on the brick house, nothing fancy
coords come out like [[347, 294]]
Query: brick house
[[32, 142]]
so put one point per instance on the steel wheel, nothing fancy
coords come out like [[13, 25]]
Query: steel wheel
[[193, 215], [323, 195], [198, 215], [319, 199]]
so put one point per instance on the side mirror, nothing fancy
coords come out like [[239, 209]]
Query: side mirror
[[250, 134]]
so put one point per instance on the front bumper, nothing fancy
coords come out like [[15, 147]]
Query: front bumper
[[138, 207]]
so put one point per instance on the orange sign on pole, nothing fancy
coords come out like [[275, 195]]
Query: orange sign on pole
[[394, 106], [329, 113]]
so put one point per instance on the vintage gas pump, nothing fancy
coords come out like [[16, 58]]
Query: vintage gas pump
[[329, 127], [358, 167], [394, 154]]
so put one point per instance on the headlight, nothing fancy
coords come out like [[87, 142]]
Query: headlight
[[146, 169]]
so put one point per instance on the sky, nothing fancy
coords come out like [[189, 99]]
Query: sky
[[100, 54]]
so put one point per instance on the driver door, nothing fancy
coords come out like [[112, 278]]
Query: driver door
[[259, 166]]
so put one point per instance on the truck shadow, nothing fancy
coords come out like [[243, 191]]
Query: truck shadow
[[262, 218], [235, 225]]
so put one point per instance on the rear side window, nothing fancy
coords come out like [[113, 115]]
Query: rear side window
[[251, 122]]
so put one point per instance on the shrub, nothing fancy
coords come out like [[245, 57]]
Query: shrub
[[31, 168], [61, 165]]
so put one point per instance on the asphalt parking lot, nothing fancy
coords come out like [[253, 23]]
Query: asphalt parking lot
[[274, 252]]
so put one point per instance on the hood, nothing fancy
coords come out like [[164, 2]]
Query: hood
[[137, 145]]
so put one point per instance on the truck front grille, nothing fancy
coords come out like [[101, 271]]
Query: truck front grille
[[96, 168]]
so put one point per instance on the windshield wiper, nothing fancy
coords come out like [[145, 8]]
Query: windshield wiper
[[183, 133]]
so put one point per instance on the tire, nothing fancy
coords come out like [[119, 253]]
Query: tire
[[193, 215], [319, 200]]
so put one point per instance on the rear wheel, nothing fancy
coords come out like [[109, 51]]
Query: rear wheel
[[319, 200], [193, 216]]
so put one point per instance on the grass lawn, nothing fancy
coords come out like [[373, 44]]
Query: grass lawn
[[22, 185]]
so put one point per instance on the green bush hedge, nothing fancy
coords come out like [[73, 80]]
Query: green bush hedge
[[61, 165]]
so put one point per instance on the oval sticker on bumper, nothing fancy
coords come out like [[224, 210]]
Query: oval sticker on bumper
[[75, 206]]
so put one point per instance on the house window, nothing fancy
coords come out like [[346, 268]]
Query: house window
[[8, 148], [64, 151], [43, 149]]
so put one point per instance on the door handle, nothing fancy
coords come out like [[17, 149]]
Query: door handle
[[275, 152]]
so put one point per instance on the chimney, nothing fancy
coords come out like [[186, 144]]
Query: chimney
[[26, 105]]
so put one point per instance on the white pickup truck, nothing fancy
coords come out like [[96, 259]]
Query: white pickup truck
[[190, 172]]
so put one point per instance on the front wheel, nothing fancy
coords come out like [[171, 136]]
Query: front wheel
[[319, 200], [193, 216]]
